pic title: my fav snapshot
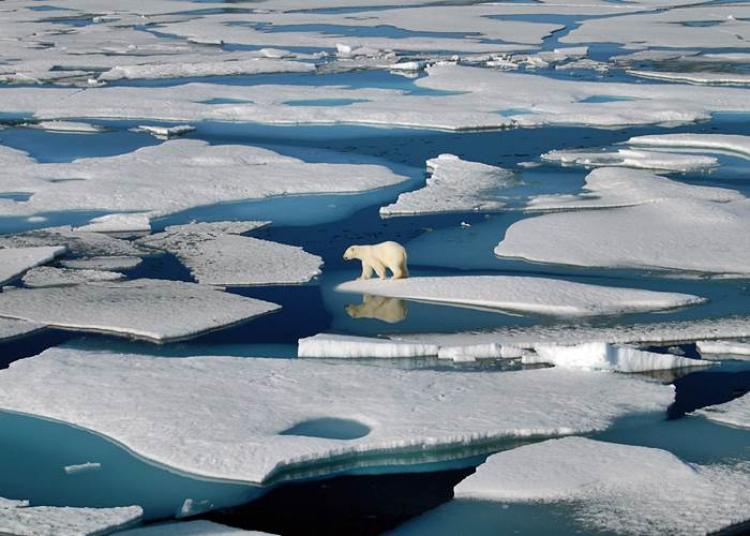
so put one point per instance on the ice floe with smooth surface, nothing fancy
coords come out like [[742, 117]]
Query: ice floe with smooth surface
[[217, 254], [118, 224], [604, 356], [669, 226], [456, 185], [331, 345], [199, 174], [150, 309], [191, 528], [734, 413], [396, 411], [732, 143], [732, 348], [14, 261], [106, 263], [67, 126], [49, 276], [527, 337], [210, 68], [616, 488], [19, 519], [709, 79], [633, 158], [523, 294]]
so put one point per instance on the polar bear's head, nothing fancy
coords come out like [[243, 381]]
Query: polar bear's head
[[351, 253]]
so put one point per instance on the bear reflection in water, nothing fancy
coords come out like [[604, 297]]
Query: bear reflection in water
[[390, 310]]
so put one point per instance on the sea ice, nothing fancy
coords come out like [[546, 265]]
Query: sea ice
[[734, 413], [18, 519], [621, 489], [734, 348], [14, 261], [216, 254], [82, 468], [66, 126], [603, 356], [523, 294], [77, 242], [330, 345], [106, 263], [191, 528], [632, 158], [455, 186], [48, 276], [151, 309], [660, 220], [14, 329], [209, 68], [717, 79], [731, 143], [118, 224], [241, 429], [165, 132]]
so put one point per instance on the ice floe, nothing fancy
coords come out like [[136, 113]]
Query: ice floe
[[733, 413], [191, 528], [216, 254], [615, 488], [210, 68], [733, 348], [718, 79], [658, 222], [200, 174], [633, 158], [330, 345], [404, 412], [731, 143], [456, 185], [49, 276], [18, 519], [106, 263], [603, 356], [166, 132], [14, 329], [128, 223], [150, 309], [76, 242], [14, 261], [82, 468], [67, 126], [523, 294]]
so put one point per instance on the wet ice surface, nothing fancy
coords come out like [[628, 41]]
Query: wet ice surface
[[323, 112]]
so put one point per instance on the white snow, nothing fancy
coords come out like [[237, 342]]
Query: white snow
[[165, 132], [67, 126], [15, 261], [734, 413], [719, 79], [733, 348], [77, 242], [662, 224], [13, 329], [731, 143], [330, 345], [603, 356], [82, 468], [615, 488], [118, 223], [48, 276], [216, 254], [455, 186], [149, 309], [481, 351], [523, 294], [209, 68], [235, 431], [198, 174], [18, 519], [191, 528], [632, 158]]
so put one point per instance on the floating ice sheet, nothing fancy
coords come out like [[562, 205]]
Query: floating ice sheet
[[731, 143], [734, 413], [710, 79], [523, 294], [330, 345], [619, 488], [419, 415], [13, 329], [14, 261], [455, 186], [150, 309], [734, 348], [633, 158], [77, 242], [211, 68], [191, 528], [660, 222], [48, 276], [113, 262], [216, 254]]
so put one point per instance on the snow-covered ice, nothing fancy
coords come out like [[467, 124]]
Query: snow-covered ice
[[14, 261], [14, 329], [210, 68], [603, 356], [150, 309], [659, 221], [731, 143], [191, 528], [734, 348], [616, 488], [217, 254], [633, 158], [456, 185], [18, 519], [331, 345], [734, 413], [66, 126], [112, 262], [523, 294], [405, 411], [165, 132], [77, 242], [719, 79], [49, 276], [118, 223], [82, 468]]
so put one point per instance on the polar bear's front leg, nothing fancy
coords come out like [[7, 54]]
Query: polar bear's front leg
[[380, 270], [366, 271]]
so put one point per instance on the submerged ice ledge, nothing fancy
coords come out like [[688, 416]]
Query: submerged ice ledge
[[223, 440]]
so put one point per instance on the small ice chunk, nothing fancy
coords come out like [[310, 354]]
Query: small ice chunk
[[48, 276], [409, 66], [118, 223], [603, 356], [82, 468], [166, 132], [634, 159], [325, 345], [734, 348], [455, 186], [14, 261], [614, 488], [481, 351], [67, 126]]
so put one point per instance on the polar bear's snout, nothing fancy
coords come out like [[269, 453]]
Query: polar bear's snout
[[379, 258]]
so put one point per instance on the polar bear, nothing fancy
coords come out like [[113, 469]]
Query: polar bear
[[379, 257], [390, 310]]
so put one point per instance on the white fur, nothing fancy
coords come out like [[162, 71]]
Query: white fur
[[380, 257]]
